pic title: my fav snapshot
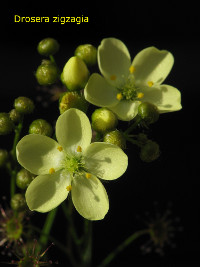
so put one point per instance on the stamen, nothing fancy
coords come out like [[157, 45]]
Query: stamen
[[79, 149], [140, 95], [52, 170], [69, 188], [150, 83], [60, 148], [88, 175], [113, 77], [119, 96], [131, 69]]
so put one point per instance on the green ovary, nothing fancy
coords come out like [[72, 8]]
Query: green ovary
[[129, 90], [74, 164]]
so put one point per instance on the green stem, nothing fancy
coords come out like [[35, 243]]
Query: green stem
[[13, 171], [87, 245], [47, 228], [133, 126], [133, 141], [122, 246], [68, 215]]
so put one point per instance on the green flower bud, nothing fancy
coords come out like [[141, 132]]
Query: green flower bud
[[75, 74], [47, 73], [24, 105], [24, 178], [18, 202], [72, 100], [6, 125], [48, 46], [88, 53], [116, 138], [41, 126], [148, 112], [150, 151], [103, 120], [3, 157], [15, 116]]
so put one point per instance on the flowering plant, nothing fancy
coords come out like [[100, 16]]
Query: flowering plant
[[66, 166]]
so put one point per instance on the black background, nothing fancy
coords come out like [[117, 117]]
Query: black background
[[174, 177]]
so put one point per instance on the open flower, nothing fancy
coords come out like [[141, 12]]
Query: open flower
[[71, 164], [125, 85]]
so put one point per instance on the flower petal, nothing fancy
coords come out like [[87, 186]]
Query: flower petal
[[73, 129], [89, 197], [126, 110], [106, 161], [38, 154], [114, 60], [167, 98], [152, 65], [99, 92], [46, 192]]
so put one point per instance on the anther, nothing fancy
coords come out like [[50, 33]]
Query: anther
[[150, 83], [69, 188], [52, 170], [131, 69], [79, 149], [113, 77], [88, 175], [60, 148], [140, 95], [119, 96]]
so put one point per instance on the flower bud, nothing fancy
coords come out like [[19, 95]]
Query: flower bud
[[41, 126], [48, 46], [148, 112], [3, 157], [72, 100], [88, 53], [75, 74], [116, 138], [150, 151], [15, 116], [24, 178], [24, 105], [18, 202], [47, 73], [6, 125], [103, 120]]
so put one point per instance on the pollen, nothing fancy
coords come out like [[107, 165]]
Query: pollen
[[131, 69], [60, 148], [52, 170], [69, 188], [150, 83], [113, 77], [140, 95], [119, 96], [88, 175], [79, 149]]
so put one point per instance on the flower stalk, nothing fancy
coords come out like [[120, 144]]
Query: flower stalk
[[111, 256]]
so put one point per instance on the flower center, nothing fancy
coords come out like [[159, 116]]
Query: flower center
[[74, 164], [129, 91]]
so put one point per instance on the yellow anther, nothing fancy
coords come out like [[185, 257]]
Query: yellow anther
[[52, 170], [60, 148], [150, 83], [131, 69], [140, 95], [113, 77], [69, 188], [119, 96], [79, 149], [88, 175]]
